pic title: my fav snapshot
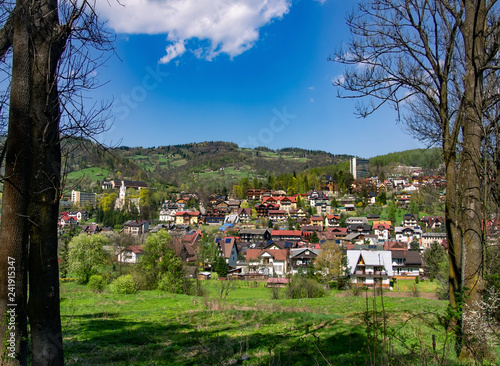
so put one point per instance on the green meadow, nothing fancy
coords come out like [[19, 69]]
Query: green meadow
[[248, 327]]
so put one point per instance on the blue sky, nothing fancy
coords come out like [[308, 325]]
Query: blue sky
[[253, 72]]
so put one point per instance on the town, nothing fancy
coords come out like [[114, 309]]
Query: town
[[373, 234]]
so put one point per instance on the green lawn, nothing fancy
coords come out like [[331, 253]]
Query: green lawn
[[156, 328]]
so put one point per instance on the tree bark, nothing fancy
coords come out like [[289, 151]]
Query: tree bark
[[43, 305], [15, 224], [473, 32]]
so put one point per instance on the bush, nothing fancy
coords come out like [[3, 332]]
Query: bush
[[301, 287], [169, 282], [96, 283], [124, 285]]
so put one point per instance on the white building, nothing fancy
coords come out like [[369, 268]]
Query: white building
[[370, 268]]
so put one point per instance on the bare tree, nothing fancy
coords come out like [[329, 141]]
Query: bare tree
[[431, 60], [49, 67]]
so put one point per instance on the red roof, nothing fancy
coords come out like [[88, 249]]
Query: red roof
[[286, 233], [190, 213], [137, 249], [277, 254]]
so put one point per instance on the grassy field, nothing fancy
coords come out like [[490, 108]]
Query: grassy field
[[156, 328], [92, 173]]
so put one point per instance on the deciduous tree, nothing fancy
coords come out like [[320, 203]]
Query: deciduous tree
[[49, 40], [432, 60]]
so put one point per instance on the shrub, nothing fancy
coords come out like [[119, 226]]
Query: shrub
[[96, 283], [124, 285], [171, 283], [301, 287]]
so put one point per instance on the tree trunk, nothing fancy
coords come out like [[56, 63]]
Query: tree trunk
[[473, 31], [43, 305], [15, 224]]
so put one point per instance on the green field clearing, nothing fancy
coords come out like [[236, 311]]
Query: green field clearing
[[156, 328], [179, 162], [92, 173]]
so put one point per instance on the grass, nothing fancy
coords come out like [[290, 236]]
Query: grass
[[155, 328], [93, 174]]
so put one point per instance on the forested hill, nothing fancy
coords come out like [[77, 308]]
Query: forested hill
[[213, 166], [427, 159], [207, 165]]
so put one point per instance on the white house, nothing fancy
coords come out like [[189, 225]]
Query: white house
[[408, 234], [130, 254], [268, 261], [367, 268]]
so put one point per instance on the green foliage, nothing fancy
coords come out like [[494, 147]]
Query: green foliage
[[87, 255], [301, 287], [221, 267], [96, 283], [415, 246], [107, 201], [171, 282], [155, 258], [124, 285], [314, 238], [64, 250], [425, 158]]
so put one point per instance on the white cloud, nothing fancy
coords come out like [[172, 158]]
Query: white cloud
[[321, 1], [174, 50], [229, 26], [312, 88]]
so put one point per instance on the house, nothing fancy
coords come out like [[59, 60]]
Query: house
[[130, 254], [298, 213], [136, 227], [233, 206], [395, 246], [78, 215], [382, 229], [270, 262], [406, 264], [68, 221], [187, 218], [370, 268], [286, 235], [244, 214], [277, 215], [302, 258], [213, 216], [339, 232], [186, 245], [332, 221], [429, 238], [228, 249], [287, 203], [356, 220], [254, 235], [408, 234], [263, 209], [254, 194], [359, 228], [167, 215], [317, 221], [410, 220], [433, 222], [90, 229]]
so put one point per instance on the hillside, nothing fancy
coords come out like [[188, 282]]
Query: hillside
[[216, 166], [211, 166]]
